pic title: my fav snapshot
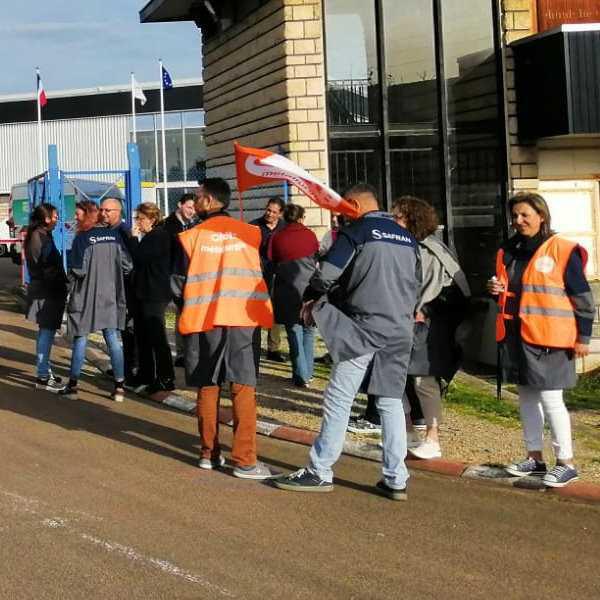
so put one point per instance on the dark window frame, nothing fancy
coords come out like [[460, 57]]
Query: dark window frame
[[382, 133]]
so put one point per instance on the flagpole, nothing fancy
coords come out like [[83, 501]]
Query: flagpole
[[39, 119], [162, 127], [133, 108], [241, 205]]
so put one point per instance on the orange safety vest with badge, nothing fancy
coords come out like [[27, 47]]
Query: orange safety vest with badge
[[224, 285], [545, 310]]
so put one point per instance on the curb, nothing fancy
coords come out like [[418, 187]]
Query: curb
[[579, 490]]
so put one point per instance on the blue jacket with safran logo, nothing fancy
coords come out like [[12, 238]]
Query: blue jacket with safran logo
[[368, 286]]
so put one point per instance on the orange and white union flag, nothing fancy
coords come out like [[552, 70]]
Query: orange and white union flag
[[256, 166]]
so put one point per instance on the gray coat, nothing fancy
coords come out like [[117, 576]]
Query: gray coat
[[372, 278], [443, 301], [97, 263]]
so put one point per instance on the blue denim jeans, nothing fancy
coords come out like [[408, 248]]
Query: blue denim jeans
[[344, 383], [43, 346], [115, 350], [302, 351]]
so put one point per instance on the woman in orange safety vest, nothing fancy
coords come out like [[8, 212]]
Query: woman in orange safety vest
[[544, 322]]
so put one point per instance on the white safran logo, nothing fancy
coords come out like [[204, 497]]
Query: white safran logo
[[544, 264]]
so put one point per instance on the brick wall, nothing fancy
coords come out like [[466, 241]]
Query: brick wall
[[264, 87], [518, 20]]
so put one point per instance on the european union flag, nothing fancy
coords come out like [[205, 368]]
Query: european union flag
[[167, 82]]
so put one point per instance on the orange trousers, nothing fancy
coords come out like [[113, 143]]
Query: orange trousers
[[243, 451]]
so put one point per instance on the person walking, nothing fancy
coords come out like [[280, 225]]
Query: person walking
[[96, 268], [544, 322], [181, 219], [225, 299], [270, 223], [152, 287], [293, 252], [363, 299], [46, 290]]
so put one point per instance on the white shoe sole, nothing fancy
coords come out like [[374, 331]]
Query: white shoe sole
[[359, 430], [559, 485], [424, 456], [210, 466], [516, 473], [243, 475], [47, 388]]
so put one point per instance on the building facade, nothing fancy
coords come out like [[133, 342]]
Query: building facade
[[417, 97], [91, 129]]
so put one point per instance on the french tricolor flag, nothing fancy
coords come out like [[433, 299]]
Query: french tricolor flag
[[41, 94]]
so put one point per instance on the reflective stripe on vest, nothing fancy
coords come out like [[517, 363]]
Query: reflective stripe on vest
[[226, 294], [224, 285], [545, 310]]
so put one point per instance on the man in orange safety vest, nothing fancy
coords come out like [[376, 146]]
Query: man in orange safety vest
[[224, 299]]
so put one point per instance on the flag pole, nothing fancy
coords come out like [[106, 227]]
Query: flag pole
[[241, 205], [39, 120], [162, 127], [133, 128]]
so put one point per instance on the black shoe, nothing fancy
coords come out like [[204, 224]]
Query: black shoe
[[135, 384], [179, 362], [70, 390], [303, 480], [299, 383], [49, 384], [160, 386], [390, 492], [109, 373], [275, 357], [118, 394], [325, 359]]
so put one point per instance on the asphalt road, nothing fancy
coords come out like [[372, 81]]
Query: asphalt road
[[103, 500]]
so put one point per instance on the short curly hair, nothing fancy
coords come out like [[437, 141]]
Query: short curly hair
[[421, 218]]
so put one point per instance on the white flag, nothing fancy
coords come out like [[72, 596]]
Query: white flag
[[138, 92]]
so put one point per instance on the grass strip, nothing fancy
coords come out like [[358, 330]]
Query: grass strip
[[468, 400]]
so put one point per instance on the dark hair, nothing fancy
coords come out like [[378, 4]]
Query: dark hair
[[421, 218], [186, 198], [90, 209], [276, 200], [38, 217], [359, 189], [292, 213], [538, 204], [217, 188]]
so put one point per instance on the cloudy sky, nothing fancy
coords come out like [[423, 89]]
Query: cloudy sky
[[86, 43]]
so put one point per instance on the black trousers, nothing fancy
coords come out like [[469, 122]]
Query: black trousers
[[154, 352]]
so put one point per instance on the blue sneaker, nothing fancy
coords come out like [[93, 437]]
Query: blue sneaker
[[529, 466], [303, 480], [560, 475]]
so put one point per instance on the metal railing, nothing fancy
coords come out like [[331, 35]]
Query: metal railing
[[348, 102]]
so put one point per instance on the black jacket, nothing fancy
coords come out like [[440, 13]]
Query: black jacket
[[152, 266]]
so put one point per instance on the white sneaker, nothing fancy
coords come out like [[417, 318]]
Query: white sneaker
[[413, 439], [426, 450], [211, 463]]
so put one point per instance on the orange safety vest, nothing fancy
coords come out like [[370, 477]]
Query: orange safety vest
[[224, 285], [545, 310]]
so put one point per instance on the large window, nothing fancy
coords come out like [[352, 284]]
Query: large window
[[185, 151], [414, 108]]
